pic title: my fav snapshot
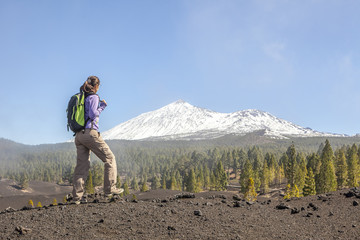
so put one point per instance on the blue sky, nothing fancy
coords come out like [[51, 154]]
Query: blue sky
[[298, 60]]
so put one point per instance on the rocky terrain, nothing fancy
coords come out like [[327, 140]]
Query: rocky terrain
[[165, 214]]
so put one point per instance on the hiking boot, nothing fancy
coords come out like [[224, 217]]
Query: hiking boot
[[114, 191], [80, 201]]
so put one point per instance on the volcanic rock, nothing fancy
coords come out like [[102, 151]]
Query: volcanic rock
[[198, 213], [282, 206], [313, 206], [10, 209], [171, 228], [184, 195], [237, 197], [295, 211], [22, 230]]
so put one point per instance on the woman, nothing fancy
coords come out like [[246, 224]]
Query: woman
[[88, 140]]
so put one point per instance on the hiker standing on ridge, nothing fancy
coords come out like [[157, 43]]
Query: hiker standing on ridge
[[89, 139]]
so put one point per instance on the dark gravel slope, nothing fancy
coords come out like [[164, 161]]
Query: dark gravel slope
[[212, 215]]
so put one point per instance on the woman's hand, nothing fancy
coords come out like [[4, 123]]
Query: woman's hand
[[103, 101]]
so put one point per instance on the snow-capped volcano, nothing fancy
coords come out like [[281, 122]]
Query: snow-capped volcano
[[181, 120]]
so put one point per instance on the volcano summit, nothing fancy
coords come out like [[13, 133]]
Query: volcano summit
[[183, 121]]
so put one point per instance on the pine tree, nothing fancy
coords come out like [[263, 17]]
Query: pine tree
[[221, 177], [279, 174], [288, 192], [98, 174], [126, 188], [320, 149], [265, 178], [235, 164], [309, 188], [163, 184], [47, 176], [313, 162], [134, 184], [215, 154], [255, 155], [295, 191], [191, 185], [212, 181], [291, 165], [242, 158], [300, 171], [341, 168], [229, 161], [179, 181], [271, 163], [118, 181], [283, 162], [327, 178], [257, 179], [144, 187], [155, 183], [246, 173], [89, 188], [353, 167], [173, 184], [224, 158], [199, 178], [24, 181], [206, 177], [250, 193]]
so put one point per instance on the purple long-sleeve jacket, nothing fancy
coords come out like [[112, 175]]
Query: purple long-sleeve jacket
[[92, 111]]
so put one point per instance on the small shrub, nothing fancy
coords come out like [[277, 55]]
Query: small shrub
[[134, 197], [31, 203]]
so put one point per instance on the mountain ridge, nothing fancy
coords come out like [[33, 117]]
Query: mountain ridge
[[181, 120]]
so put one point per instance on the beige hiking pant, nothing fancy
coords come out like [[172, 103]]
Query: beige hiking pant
[[86, 141]]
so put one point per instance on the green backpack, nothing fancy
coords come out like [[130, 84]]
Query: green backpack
[[76, 112]]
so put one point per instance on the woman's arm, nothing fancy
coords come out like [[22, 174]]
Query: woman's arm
[[94, 107]]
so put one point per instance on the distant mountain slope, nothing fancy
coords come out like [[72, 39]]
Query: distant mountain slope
[[181, 120], [9, 150]]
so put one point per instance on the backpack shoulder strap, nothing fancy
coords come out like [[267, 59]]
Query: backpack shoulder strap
[[87, 95]]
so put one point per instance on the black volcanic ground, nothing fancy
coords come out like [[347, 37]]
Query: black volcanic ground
[[166, 214]]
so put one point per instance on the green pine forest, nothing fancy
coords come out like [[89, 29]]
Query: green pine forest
[[299, 165]]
